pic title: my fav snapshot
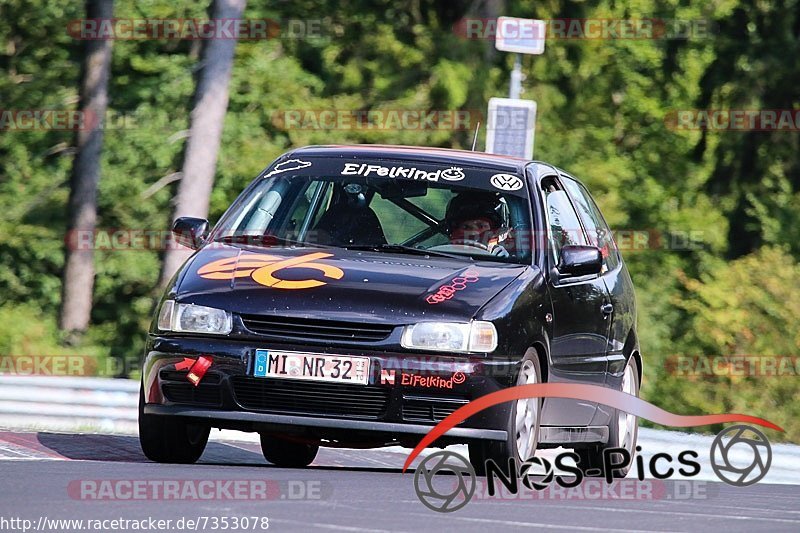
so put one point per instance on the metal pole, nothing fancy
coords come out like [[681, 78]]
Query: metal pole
[[515, 88]]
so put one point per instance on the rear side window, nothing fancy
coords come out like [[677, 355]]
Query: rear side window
[[596, 227], [564, 225]]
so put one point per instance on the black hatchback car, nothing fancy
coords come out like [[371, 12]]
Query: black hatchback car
[[355, 296]]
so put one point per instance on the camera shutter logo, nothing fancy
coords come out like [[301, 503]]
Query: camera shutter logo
[[741, 437], [532, 483], [506, 182], [452, 499]]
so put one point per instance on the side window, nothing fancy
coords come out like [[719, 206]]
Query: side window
[[596, 227], [311, 205], [564, 225]]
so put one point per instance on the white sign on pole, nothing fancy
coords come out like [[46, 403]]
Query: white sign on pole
[[523, 36], [510, 127]]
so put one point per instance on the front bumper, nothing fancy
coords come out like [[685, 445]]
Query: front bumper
[[394, 407], [278, 423]]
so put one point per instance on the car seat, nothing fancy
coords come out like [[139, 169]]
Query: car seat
[[345, 224]]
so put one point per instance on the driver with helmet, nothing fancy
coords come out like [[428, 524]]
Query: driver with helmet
[[478, 219]]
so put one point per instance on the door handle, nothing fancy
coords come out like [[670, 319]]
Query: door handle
[[607, 308]]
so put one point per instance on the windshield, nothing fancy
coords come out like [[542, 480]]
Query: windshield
[[388, 207]]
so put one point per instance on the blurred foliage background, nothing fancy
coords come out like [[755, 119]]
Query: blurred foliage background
[[604, 108]]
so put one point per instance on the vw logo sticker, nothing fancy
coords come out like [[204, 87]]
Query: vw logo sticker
[[506, 182]]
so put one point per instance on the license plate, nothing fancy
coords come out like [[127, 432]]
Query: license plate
[[310, 366]]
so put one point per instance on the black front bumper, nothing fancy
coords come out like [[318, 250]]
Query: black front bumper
[[281, 423], [386, 410]]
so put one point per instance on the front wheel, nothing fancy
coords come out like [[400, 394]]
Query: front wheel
[[169, 439], [522, 425], [622, 432], [286, 453]]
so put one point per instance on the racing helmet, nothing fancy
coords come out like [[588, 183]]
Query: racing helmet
[[476, 204]]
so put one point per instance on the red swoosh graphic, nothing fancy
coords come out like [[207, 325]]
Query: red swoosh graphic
[[593, 393]]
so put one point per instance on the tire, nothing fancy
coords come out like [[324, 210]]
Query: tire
[[169, 439], [287, 454], [623, 430], [523, 437]]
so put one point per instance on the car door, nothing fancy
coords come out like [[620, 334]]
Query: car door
[[580, 324], [618, 283]]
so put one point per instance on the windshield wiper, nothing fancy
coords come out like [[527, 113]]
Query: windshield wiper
[[399, 248]]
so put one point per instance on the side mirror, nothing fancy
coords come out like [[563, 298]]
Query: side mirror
[[580, 260], [190, 231]]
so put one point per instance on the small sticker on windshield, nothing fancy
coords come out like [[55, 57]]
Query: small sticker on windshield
[[506, 182], [286, 166], [453, 174]]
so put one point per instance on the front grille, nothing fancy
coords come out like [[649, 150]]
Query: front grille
[[313, 329], [187, 393], [429, 410], [211, 378], [310, 397]]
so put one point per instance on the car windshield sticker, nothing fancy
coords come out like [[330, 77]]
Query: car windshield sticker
[[412, 173], [453, 174], [263, 269], [506, 182], [291, 164]]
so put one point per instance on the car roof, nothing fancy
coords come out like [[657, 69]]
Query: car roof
[[434, 155]]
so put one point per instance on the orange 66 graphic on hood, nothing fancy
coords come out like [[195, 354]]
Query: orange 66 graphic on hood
[[264, 269]]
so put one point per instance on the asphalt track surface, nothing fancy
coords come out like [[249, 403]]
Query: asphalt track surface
[[346, 490]]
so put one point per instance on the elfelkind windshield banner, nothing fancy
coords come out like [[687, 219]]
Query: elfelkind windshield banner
[[500, 180], [538, 474]]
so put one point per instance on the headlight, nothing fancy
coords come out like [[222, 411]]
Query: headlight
[[190, 318], [476, 336]]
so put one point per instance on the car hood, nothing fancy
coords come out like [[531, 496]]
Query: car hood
[[339, 284]]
